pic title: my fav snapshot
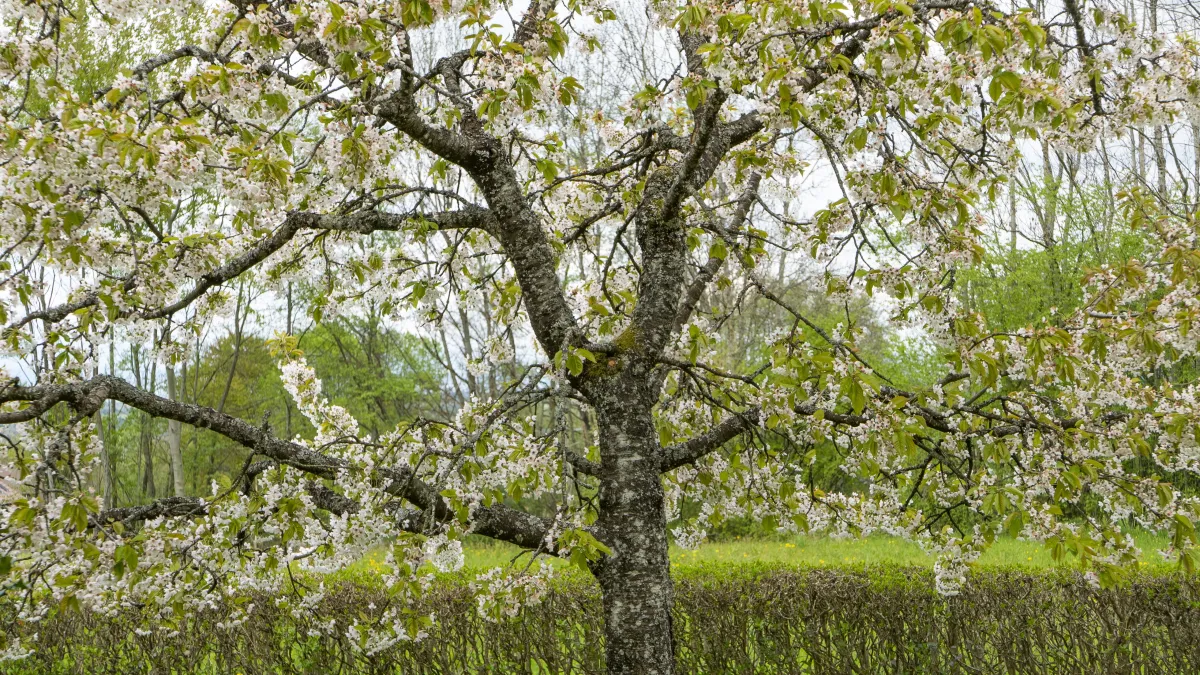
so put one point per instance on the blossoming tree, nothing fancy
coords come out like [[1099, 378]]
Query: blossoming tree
[[421, 154]]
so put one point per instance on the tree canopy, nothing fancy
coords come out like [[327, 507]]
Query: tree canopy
[[597, 197]]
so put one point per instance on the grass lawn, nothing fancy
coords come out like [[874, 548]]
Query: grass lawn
[[825, 551]]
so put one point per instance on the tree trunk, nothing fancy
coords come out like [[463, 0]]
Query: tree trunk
[[1196, 162], [175, 437], [1012, 217], [635, 579], [146, 428], [106, 465], [239, 323]]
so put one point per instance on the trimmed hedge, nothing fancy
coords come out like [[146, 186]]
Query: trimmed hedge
[[728, 619]]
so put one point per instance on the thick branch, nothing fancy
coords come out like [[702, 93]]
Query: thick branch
[[1072, 7], [713, 265], [145, 68], [582, 464], [362, 222], [697, 448], [400, 109], [168, 507], [106, 387], [483, 157], [497, 521], [660, 228], [690, 451]]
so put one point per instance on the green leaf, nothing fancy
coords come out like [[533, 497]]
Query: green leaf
[[75, 515], [858, 138], [574, 364], [852, 388], [584, 547], [718, 250], [347, 62], [126, 557], [277, 101]]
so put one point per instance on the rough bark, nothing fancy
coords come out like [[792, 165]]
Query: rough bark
[[635, 578]]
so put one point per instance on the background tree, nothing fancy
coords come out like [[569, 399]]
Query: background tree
[[583, 263]]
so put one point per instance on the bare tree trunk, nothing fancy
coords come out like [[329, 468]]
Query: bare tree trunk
[[1160, 161], [490, 329], [1110, 203], [1196, 158], [1012, 218], [109, 494], [239, 320], [1050, 184], [194, 395], [175, 437], [287, 401], [1140, 157], [464, 331], [449, 364], [1160, 157], [146, 430], [107, 487]]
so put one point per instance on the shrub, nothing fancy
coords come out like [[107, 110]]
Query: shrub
[[728, 619]]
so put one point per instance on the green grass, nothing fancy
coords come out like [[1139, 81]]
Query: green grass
[[826, 551]]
